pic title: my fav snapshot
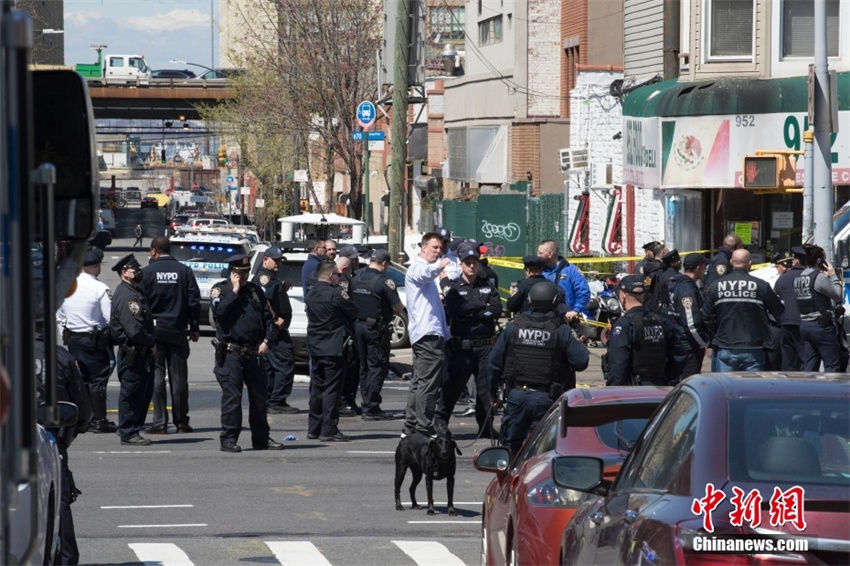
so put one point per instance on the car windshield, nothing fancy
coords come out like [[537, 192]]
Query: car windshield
[[804, 441], [205, 251]]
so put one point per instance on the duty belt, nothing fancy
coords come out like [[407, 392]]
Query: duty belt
[[243, 350], [531, 387], [472, 342], [89, 334]]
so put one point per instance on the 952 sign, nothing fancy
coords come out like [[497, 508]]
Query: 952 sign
[[793, 135]]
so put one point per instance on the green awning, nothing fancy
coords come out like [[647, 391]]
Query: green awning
[[728, 95]]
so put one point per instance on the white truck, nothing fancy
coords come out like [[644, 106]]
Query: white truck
[[115, 67]]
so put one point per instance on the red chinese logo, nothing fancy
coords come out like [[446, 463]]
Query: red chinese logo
[[746, 507], [708, 504], [785, 507]]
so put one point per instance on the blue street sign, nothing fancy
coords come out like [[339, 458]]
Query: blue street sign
[[230, 180], [366, 113], [357, 135]]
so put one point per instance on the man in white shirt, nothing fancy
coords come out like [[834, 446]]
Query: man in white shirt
[[428, 334]]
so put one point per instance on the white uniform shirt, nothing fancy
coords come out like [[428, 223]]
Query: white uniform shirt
[[88, 308]]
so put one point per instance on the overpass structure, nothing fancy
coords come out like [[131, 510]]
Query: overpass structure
[[157, 99]]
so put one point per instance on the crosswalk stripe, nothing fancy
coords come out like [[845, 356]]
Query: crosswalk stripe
[[160, 554], [297, 553], [428, 553]]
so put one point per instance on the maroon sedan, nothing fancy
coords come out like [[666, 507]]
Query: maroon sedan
[[524, 512], [733, 469]]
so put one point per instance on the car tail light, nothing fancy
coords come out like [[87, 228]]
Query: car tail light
[[547, 494], [687, 554]]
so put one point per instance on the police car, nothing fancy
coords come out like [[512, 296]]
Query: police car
[[290, 271], [206, 254]]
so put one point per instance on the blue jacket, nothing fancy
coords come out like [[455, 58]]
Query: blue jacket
[[570, 279]]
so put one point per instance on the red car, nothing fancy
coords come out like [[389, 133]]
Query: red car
[[524, 512], [728, 460]]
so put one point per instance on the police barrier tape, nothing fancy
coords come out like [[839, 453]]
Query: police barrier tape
[[516, 262]]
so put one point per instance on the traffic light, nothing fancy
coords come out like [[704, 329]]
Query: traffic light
[[162, 156], [776, 171], [304, 205], [222, 156]]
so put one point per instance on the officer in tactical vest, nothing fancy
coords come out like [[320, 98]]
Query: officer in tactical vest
[[645, 347], [243, 333], [536, 357], [279, 361], [377, 301], [818, 292], [131, 327]]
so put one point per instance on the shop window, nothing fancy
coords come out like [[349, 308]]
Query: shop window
[[730, 29]]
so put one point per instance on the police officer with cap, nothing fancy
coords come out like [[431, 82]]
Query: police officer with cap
[[279, 361], [473, 307], [536, 357], [644, 347], [671, 262], [131, 327], [84, 318], [790, 344], [684, 306], [518, 301], [650, 249], [175, 302], [243, 331], [377, 301]]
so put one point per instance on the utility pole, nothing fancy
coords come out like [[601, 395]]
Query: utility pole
[[822, 178], [398, 162]]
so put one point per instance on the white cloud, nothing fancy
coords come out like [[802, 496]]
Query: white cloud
[[170, 21]]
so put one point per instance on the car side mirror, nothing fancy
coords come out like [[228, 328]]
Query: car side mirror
[[581, 473], [492, 459], [66, 412]]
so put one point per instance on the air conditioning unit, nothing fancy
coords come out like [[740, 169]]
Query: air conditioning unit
[[572, 160], [600, 175]]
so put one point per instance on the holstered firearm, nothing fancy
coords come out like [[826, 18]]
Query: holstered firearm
[[129, 354], [220, 351]]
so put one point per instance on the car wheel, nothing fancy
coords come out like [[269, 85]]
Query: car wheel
[[398, 331]]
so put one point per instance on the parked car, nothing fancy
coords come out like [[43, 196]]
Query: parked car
[[172, 74], [761, 433], [524, 512]]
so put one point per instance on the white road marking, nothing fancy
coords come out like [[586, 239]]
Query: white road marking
[[297, 553], [145, 506], [476, 522], [428, 553], [131, 452], [160, 554], [162, 526], [370, 451]]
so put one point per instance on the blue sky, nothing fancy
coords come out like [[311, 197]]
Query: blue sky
[[158, 29]]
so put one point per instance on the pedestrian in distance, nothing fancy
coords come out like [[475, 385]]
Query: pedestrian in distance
[[537, 358], [175, 302], [472, 308], [138, 232], [428, 332], [684, 306], [645, 347], [567, 276], [243, 331], [330, 322], [83, 320], [377, 301], [131, 327], [790, 344], [735, 311], [279, 361]]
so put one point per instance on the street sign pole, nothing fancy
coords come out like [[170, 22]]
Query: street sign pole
[[366, 115], [368, 206]]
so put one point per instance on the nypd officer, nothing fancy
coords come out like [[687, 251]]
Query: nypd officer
[[518, 301], [377, 301], [818, 291], [131, 327], [175, 303], [84, 320], [684, 304], [279, 361], [472, 308], [790, 344], [243, 332], [645, 347], [537, 357], [330, 320]]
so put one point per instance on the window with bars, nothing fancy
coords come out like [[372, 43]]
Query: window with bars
[[798, 28], [490, 31], [731, 29], [447, 21]]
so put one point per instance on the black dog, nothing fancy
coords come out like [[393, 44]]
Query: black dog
[[435, 457]]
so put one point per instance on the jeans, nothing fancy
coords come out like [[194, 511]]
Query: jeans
[[737, 359]]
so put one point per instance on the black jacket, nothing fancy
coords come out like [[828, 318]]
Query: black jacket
[[173, 294], [472, 309], [330, 319]]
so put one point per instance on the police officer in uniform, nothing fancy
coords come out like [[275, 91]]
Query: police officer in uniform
[[377, 301], [518, 301], [818, 291], [472, 308], [536, 357], [279, 361], [330, 320], [736, 312], [649, 251], [684, 306], [672, 263], [175, 303], [720, 263], [790, 344], [645, 346], [131, 327], [243, 333], [83, 318]]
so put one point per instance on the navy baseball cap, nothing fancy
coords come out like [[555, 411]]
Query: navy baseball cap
[[94, 256], [694, 260], [799, 251], [632, 284], [671, 257], [350, 252], [239, 262], [467, 250], [380, 254], [126, 262], [273, 252], [455, 244], [533, 262], [444, 233]]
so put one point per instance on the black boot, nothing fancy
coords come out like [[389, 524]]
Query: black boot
[[99, 422]]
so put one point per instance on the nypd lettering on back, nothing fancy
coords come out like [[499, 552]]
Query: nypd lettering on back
[[533, 336], [653, 333], [166, 277], [737, 289], [803, 286]]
